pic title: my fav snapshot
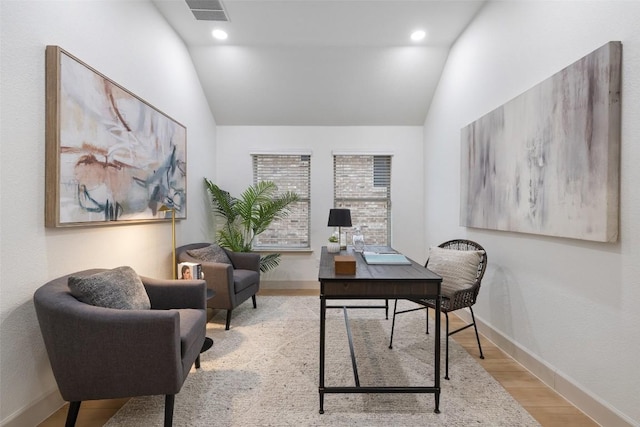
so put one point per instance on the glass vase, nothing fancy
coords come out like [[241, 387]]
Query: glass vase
[[358, 240]]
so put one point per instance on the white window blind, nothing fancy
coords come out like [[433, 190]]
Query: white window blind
[[290, 172], [362, 183]]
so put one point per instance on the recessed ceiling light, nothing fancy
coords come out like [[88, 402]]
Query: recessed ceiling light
[[219, 34], [418, 35]]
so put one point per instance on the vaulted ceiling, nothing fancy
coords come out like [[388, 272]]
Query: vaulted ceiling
[[320, 62]]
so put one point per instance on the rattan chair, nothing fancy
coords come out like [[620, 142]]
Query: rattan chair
[[452, 300]]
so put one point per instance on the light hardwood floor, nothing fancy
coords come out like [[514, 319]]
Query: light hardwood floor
[[545, 405]]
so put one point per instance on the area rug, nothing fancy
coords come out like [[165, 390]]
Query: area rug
[[264, 372]]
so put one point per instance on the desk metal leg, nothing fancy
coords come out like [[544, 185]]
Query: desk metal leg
[[375, 389], [323, 314], [352, 350]]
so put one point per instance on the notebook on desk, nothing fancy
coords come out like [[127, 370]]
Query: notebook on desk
[[385, 258]]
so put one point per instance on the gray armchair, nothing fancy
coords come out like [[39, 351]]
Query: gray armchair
[[232, 283], [107, 353]]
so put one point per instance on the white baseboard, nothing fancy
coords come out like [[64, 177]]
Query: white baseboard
[[599, 411], [36, 412]]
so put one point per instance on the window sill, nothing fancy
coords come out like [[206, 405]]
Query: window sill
[[284, 250]]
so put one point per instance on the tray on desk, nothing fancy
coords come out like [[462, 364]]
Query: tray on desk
[[385, 258]]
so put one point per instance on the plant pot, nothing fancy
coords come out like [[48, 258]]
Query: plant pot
[[333, 247]]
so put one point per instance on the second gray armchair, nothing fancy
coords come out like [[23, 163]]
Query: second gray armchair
[[233, 276]]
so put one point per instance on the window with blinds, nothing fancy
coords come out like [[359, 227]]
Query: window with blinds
[[362, 183], [290, 172]]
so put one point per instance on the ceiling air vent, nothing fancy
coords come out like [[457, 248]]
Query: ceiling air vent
[[207, 10]]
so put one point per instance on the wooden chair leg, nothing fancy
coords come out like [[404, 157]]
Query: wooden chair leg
[[228, 320], [198, 362], [253, 298], [72, 414], [168, 409]]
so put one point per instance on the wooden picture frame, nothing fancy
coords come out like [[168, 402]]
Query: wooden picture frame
[[111, 158]]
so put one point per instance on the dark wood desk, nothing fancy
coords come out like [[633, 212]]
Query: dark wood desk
[[376, 282]]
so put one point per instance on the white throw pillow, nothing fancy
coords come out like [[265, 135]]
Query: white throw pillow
[[458, 268]]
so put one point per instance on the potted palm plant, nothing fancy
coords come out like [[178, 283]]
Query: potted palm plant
[[249, 215]]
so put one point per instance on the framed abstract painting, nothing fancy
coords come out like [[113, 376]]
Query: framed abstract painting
[[111, 158], [548, 161]]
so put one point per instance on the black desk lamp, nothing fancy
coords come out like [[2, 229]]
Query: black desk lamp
[[340, 218]]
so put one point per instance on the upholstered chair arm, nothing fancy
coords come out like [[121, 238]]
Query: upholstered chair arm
[[88, 344], [168, 294], [244, 260], [219, 278]]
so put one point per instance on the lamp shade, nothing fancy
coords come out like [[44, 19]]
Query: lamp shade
[[339, 218]]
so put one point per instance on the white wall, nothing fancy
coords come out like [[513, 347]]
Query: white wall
[[234, 173], [572, 305], [130, 43]]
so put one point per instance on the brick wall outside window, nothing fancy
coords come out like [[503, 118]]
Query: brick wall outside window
[[290, 173], [362, 183]]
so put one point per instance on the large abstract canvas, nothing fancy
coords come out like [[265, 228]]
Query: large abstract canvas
[[547, 162], [111, 157]]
